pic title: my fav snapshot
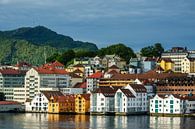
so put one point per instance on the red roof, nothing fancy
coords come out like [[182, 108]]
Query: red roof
[[64, 98], [96, 75], [86, 96], [57, 64], [9, 103], [11, 71], [43, 70]]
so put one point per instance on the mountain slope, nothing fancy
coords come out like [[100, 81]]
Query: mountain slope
[[41, 35], [32, 44]]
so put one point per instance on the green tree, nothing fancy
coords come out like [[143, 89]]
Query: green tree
[[66, 57], [158, 49], [152, 51], [119, 49]]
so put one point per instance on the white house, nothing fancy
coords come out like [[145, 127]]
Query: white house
[[125, 101], [128, 99], [139, 91], [40, 102], [168, 104], [102, 100]]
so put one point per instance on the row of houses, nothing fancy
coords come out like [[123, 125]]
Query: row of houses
[[129, 99], [57, 102]]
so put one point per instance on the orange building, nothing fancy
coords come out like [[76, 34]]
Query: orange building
[[62, 104], [82, 103]]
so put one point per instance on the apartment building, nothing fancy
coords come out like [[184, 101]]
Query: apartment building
[[50, 75], [176, 54], [176, 86], [9, 79], [188, 65]]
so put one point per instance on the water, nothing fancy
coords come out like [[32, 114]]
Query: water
[[55, 121]]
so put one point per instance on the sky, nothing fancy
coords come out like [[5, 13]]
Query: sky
[[136, 23]]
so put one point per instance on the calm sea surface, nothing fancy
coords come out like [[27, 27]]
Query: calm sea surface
[[54, 121]]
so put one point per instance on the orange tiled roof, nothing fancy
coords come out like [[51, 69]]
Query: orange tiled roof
[[49, 94], [96, 75], [44, 70], [86, 96]]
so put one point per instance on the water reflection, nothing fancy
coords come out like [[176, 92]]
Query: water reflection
[[55, 121], [171, 123]]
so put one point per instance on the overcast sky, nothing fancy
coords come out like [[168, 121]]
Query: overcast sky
[[136, 23]]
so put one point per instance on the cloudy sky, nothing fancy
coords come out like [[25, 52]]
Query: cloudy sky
[[136, 23]]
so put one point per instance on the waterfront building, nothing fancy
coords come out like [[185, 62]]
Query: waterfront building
[[10, 78], [168, 104], [102, 100], [176, 54], [121, 100], [176, 86], [166, 64], [93, 81], [40, 102], [50, 75], [82, 103], [140, 92], [10, 106], [125, 101], [62, 104], [188, 65]]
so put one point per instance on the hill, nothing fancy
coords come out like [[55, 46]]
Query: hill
[[30, 44]]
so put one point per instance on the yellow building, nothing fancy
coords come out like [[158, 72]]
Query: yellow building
[[188, 65], [167, 64], [62, 104], [82, 103]]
